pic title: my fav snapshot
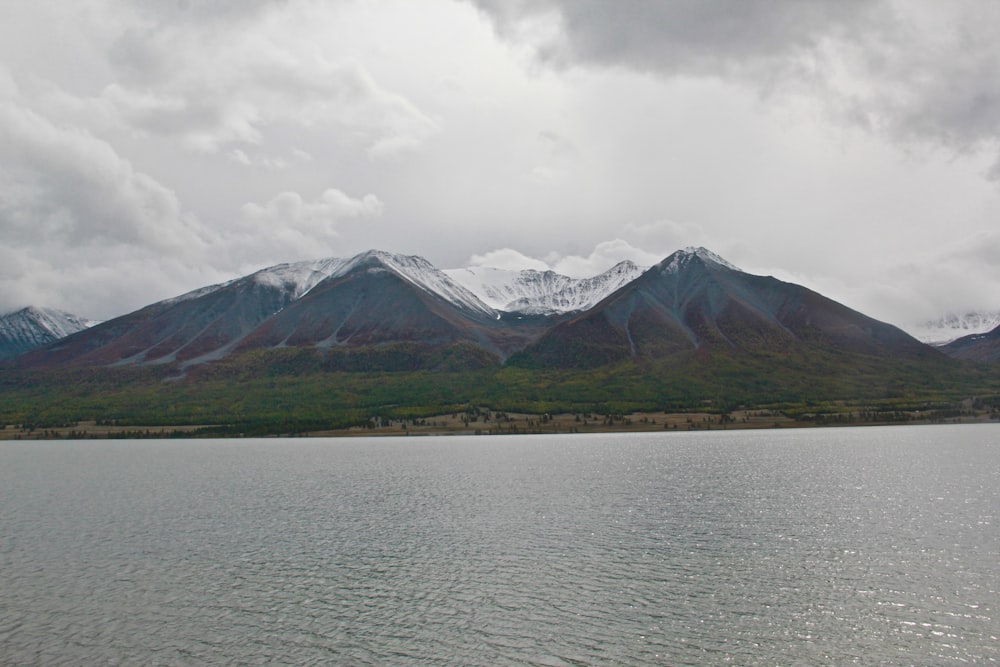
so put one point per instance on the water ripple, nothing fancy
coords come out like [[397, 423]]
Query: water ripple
[[848, 546]]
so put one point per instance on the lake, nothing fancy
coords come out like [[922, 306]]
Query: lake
[[822, 546]]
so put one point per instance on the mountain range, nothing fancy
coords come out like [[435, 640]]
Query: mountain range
[[306, 345], [691, 301]]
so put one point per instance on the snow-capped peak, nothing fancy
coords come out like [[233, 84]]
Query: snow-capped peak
[[32, 327], [57, 322], [542, 292], [298, 278], [679, 259], [428, 277]]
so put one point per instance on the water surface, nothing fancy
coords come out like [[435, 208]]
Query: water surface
[[827, 546]]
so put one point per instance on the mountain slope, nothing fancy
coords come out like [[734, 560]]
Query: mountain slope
[[210, 323], [542, 292], [693, 301], [379, 300], [976, 347], [301, 347], [32, 327]]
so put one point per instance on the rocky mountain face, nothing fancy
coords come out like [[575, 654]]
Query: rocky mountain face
[[30, 328], [692, 301]]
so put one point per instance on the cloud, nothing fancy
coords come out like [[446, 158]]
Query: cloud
[[923, 72], [86, 231], [262, 161], [683, 37], [605, 255], [289, 226], [64, 183], [643, 244], [509, 259], [70, 205], [316, 217], [216, 85]]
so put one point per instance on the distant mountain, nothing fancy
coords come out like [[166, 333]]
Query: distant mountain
[[312, 345], [953, 326], [696, 301], [379, 299], [33, 327], [975, 347], [369, 299], [542, 292], [396, 312]]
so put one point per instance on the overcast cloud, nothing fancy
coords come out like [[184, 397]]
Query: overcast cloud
[[152, 147]]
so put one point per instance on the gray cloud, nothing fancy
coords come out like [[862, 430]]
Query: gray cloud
[[71, 207], [217, 83], [922, 72], [67, 184], [148, 147], [295, 227], [683, 36]]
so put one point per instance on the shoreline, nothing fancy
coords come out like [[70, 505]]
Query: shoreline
[[489, 423]]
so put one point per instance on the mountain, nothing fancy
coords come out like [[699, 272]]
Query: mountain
[[405, 314], [975, 347], [694, 301], [33, 327], [349, 341], [380, 299], [953, 326], [369, 299], [542, 292]]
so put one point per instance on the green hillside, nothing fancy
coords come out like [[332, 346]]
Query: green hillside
[[295, 390]]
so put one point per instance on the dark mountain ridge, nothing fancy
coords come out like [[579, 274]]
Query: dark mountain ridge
[[693, 302]]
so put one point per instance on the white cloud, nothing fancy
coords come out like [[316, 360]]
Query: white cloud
[[646, 245], [71, 208], [216, 85], [151, 147], [320, 216], [289, 226], [605, 255], [261, 161], [67, 184], [509, 259]]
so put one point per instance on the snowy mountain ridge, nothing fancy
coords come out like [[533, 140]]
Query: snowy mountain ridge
[[483, 290], [297, 279], [542, 292], [32, 327]]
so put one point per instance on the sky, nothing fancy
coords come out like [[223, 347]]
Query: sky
[[151, 147]]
